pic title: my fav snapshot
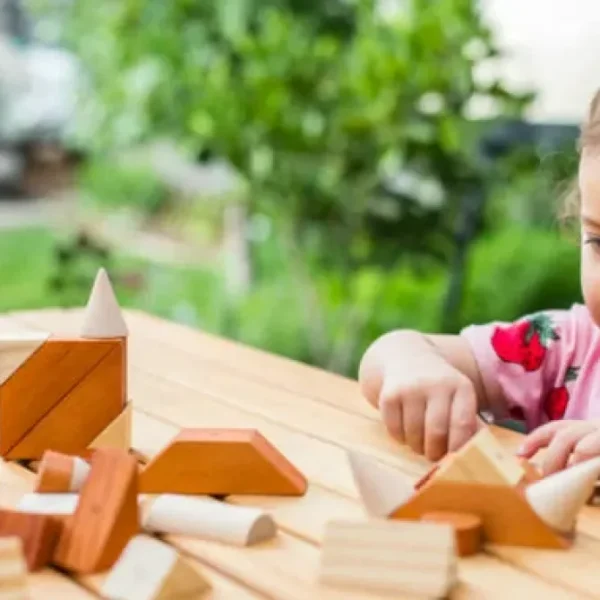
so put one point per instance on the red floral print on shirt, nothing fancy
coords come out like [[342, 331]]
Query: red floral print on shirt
[[525, 343], [555, 403]]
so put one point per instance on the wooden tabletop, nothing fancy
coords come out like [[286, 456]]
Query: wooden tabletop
[[179, 377]]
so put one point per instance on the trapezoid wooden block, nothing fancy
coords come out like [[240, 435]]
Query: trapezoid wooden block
[[506, 516], [221, 462], [39, 535], [151, 570], [13, 570], [401, 559], [106, 516]]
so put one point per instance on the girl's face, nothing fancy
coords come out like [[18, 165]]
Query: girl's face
[[589, 185]]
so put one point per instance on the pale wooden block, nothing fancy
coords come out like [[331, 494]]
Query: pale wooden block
[[15, 349], [208, 519], [151, 570], [118, 433], [381, 488], [13, 570], [392, 557], [483, 460], [48, 504]]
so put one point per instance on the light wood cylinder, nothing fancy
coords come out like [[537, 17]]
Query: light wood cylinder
[[468, 529], [208, 519]]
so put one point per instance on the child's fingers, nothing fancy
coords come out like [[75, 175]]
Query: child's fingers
[[539, 438], [463, 417], [391, 415], [587, 447], [559, 450], [437, 421], [413, 421]]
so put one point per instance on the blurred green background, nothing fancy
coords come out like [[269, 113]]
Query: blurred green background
[[299, 175]]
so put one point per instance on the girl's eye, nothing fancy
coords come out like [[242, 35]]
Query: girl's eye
[[594, 242]]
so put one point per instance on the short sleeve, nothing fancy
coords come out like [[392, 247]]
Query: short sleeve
[[532, 363]]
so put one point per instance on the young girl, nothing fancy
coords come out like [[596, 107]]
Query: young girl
[[543, 369]]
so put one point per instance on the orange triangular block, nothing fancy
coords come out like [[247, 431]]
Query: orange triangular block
[[106, 517], [221, 462], [103, 317]]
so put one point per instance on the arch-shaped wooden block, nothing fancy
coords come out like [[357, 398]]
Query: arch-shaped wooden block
[[507, 517], [221, 462]]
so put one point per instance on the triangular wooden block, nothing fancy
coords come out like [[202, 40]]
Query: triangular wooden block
[[118, 433], [558, 498], [13, 570], [56, 369], [106, 516], [151, 570], [103, 317], [82, 414], [16, 348], [382, 489], [401, 559], [61, 473], [221, 462], [38, 533]]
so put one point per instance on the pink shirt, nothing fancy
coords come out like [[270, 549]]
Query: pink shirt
[[545, 365]]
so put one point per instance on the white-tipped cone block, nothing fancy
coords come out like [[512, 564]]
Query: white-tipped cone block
[[207, 519], [557, 499], [382, 488], [103, 317], [48, 504]]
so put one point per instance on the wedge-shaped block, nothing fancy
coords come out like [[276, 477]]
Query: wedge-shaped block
[[482, 459], [81, 410], [221, 462], [506, 515], [118, 433], [151, 570], [208, 519], [38, 533], [106, 516], [16, 347], [61, 473], [416, 559], [13, 570]]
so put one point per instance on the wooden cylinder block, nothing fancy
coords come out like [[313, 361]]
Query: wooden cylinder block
[[61, 473], [208, 519], [468, 529]]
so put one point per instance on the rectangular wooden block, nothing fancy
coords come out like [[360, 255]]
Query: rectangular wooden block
[[42, 382], [13, 570], [38, 533], [106, 516], [390, 557], [82, 414]]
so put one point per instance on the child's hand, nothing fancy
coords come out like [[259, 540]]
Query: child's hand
[[567, 443], [429, 405]]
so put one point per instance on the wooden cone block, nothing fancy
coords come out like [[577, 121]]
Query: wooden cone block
[[221, 462], [381, 488], [13, 570], [208, 519], [38, 533], [150, 570], [390, 557], [16, 347], [61, 473], [468, 529], [106, 516], [118, 433], [557, 499]]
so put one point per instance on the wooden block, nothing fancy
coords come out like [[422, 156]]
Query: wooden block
[[151, 570], [16, 347], [38, 533], [82, 414], [118, 433], [390, 557], [482, 459], [42, 382], [61, 473], [57, 505], [208, 519], [468, 529], [382, 489], [506, 516], [13, 570], [221, 462], [106, 517]]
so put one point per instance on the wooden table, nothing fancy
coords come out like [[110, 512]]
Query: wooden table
[[180, 377]]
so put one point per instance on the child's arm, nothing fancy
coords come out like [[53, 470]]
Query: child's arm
[[428, 389]]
